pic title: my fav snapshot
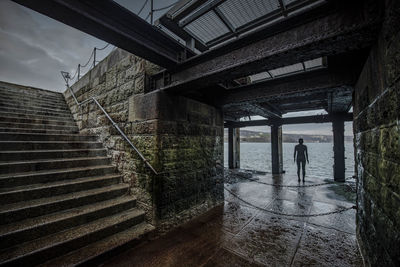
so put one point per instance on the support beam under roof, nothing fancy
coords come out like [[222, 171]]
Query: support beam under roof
[[261, 111], [285, 121], [170, 20], [241, 124], [114, 24], [315, 119], [303, 82], [175, 29]]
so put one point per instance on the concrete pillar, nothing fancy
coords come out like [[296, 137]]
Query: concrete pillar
[[233, 148], [276, 149], [338, 148]]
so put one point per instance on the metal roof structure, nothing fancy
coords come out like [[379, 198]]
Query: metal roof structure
[[261, 57], [203, 24]]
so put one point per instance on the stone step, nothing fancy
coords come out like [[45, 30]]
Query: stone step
[[49, 164], [15, 136], [35, 107], [33, 102], [34, 120], [35, 191], [32, 228], [45, 145], [18, 155], [40, 112], [45, 248], [31, 92], [96, 253], [40, 99], [37, 117], [37, 207], [28, 178], [44, 131], [38, 126]]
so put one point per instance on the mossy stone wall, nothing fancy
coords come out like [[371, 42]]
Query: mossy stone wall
[[181, 138], [377, 143]]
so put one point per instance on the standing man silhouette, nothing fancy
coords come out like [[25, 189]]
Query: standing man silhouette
[[302, 156]]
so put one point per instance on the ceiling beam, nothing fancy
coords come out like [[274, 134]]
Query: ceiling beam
[[298, 38], [181, 33], [114, 24], [241, 124], [261, 110], [283, 8], [170, 20], [318, 80], [224, 19], [286, 121], [315, 119]]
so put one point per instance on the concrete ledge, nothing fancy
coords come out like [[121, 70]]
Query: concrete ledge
[[160, 105]]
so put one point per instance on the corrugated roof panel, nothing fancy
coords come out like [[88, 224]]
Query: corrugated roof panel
[[287, 69], [207, 27], [259, 76], [314, 63], [241, 12]]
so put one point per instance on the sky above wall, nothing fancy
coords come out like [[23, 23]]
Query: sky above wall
[[35, 48]]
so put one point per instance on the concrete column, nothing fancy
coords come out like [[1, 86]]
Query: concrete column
[[234, 148], [338, 148], [276, 149]]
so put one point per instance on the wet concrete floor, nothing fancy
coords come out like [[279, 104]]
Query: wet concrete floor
[[241, 234]]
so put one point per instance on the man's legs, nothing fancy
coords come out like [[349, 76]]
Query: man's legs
[[298, 169], [303, 166]]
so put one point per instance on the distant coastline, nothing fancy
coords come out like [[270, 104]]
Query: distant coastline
[[262, 137]]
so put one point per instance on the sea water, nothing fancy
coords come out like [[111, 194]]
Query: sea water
[[257, 156]]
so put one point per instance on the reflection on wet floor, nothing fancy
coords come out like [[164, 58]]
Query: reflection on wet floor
[[242, 234]]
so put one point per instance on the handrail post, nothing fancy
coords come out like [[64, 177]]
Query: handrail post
[[151, 12], [73, 95], [94, 57]]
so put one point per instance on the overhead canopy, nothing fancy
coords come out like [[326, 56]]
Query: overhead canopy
[[210, 23], [261, 57]]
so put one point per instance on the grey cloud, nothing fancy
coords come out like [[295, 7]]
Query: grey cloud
[[36, 48]]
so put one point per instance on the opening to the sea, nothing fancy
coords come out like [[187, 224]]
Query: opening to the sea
[[255, 148]]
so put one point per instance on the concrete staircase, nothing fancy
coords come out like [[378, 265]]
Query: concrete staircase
[[62, 202]]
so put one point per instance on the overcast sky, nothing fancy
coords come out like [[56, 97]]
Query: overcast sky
[[35, 48]]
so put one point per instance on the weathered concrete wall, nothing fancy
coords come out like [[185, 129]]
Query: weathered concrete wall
[[181, 138], [377, 135]]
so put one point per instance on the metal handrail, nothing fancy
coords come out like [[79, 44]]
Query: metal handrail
[[115, 126]]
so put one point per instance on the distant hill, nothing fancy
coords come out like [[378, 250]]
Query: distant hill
[[261, 137]]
